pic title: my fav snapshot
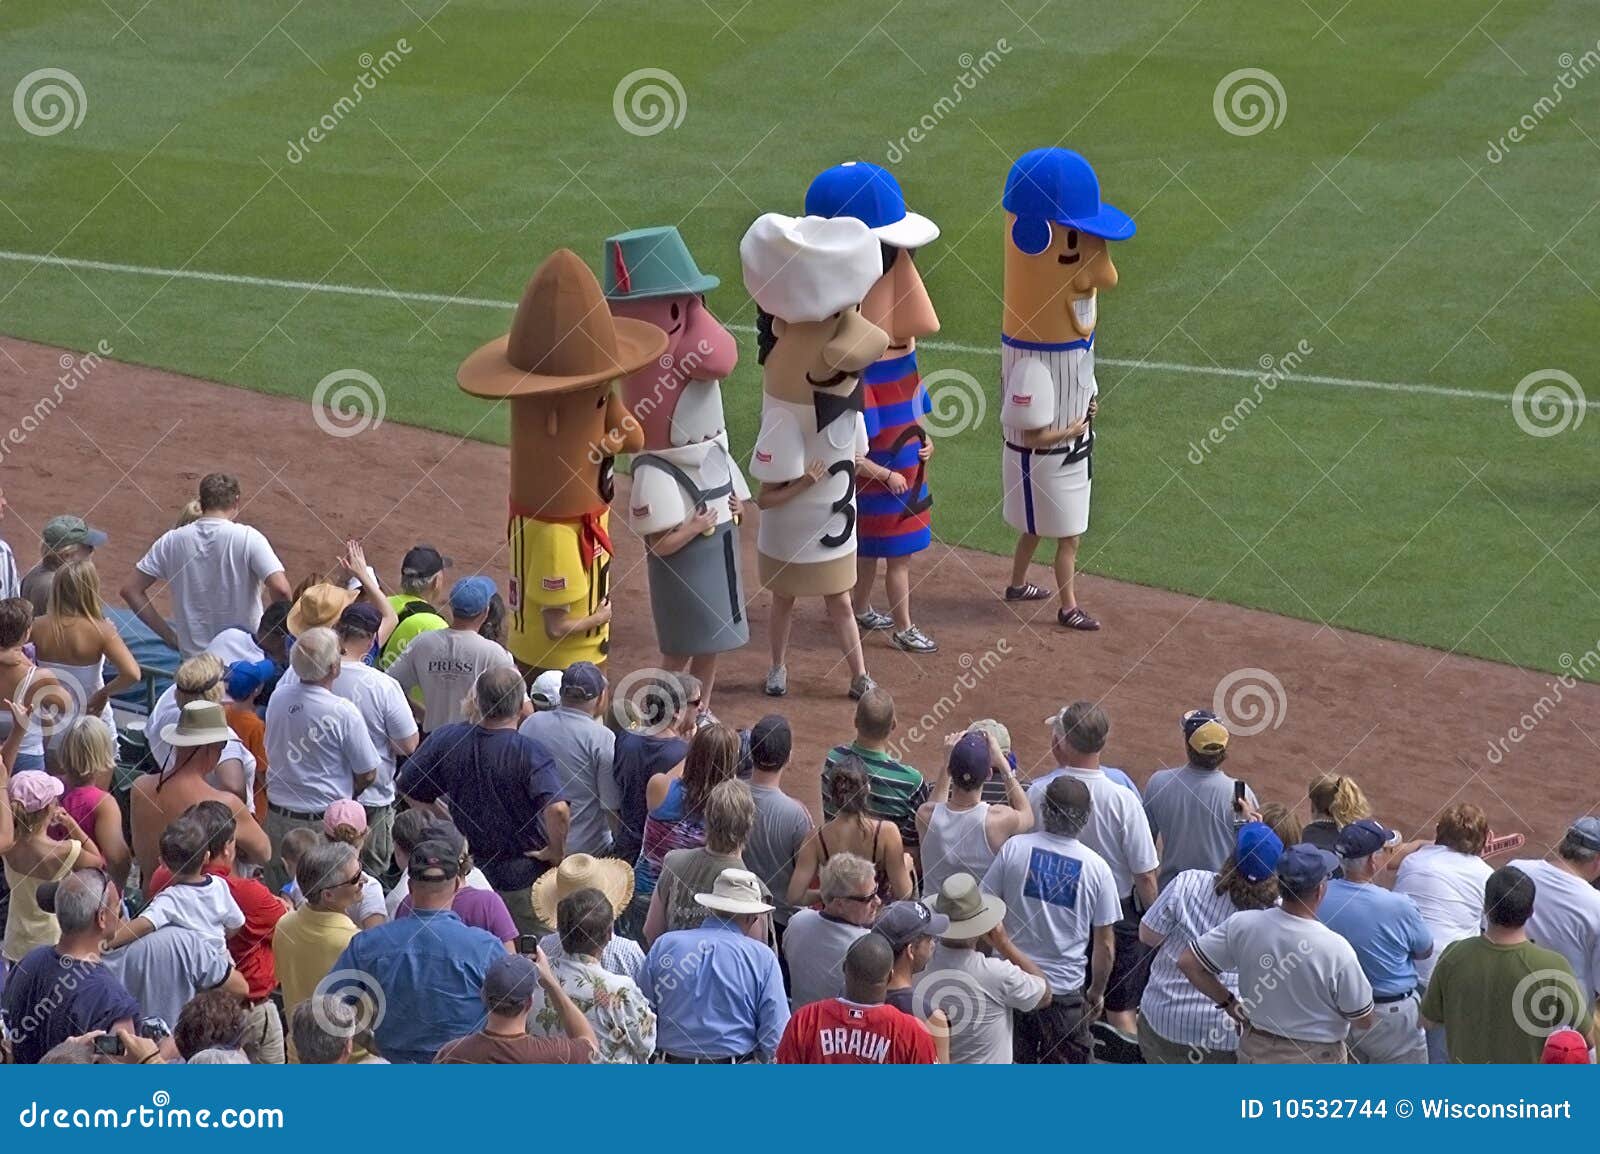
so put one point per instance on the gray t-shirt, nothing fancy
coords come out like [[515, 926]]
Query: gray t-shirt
[[782, 824], [167, 967], [582, 750], [1191, 811], [814, 946], [443, 664]]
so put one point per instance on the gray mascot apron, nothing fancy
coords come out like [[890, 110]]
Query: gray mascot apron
[[696, 595]]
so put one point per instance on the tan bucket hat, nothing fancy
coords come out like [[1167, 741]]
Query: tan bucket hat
[[200, 723], [320, 604], [972, 912]]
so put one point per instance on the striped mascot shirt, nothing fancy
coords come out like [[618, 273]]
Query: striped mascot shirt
[[893, 525]]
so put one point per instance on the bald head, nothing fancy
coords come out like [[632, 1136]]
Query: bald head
[[866, 969]]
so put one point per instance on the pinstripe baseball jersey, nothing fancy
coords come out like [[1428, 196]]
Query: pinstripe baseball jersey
[[1046, 386], [1027, 404], [1175, 1009]]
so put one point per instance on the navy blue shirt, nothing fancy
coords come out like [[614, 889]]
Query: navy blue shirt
[[499, 784], [430, 968], [638, 758], [50, 997]]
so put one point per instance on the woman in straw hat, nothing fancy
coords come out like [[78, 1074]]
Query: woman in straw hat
[[322, 601], [580, 871], [197, 740], [556, 366]]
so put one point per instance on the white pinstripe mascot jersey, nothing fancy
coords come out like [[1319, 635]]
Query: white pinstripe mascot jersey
[[1047, 386]]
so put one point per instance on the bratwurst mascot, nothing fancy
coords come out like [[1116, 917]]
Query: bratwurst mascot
[[688, 494], [1056, 263], [556, 366], [808, 277]]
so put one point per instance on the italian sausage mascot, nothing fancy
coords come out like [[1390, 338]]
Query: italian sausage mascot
[[688, 494], [556, 366], [1056, 262], [808, 277]]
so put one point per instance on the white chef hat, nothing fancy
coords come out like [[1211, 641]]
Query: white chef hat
[[807, 268]]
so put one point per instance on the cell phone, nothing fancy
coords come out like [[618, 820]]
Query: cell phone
[[1238, 795], [528, 944], [109, 1045]]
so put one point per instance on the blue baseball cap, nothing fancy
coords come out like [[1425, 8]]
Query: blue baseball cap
[[1257, 851], [245, 677], [1586, 832], [582, 681], [969, 759], [470, 596], [1360, 838], [1303, 866], [1056, 186], [871, 195]]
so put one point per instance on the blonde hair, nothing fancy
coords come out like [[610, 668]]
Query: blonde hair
[[347, 835], [75, 592], [87, 750], [189, 514], [199, 679], [28, 824], [1340, 798], [730, 814]]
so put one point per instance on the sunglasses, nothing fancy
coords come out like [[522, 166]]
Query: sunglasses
[[864, 899]]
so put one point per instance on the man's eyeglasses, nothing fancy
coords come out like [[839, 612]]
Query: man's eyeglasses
[[864, 899]]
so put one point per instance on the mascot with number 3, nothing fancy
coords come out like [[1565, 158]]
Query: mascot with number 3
[[808, 277]]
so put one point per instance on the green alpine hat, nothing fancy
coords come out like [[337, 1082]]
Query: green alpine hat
[[652, 262]]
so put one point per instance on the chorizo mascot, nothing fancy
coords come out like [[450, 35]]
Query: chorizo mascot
[[808, 277], [555, 367], [687, 494], [1057, 260], [895, 505]]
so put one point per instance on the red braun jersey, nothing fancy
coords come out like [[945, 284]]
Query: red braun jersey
[[840, 1032]]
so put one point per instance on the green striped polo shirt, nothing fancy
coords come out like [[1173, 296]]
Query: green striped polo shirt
[[897, 788]]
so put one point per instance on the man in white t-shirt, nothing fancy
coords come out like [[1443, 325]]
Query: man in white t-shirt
[[389, 721], [214, 570], [816, 941], [317, 745], [1301, 988], [444, 663], [976, 976], [10, 581], [1119, 831], [1566, 906], [1061, 901]]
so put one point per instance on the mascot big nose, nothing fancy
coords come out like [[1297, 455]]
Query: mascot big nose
[[686, 473], [556, 366]]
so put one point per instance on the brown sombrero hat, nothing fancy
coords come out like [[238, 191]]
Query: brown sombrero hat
[[563, 337]]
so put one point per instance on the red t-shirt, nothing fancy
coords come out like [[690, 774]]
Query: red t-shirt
[[251, 947], [837, 1032]]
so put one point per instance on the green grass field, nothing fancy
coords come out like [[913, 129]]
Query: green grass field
[[1368, 224]]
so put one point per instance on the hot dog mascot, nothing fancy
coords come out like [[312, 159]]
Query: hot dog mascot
[[688, 494], [556, 367], [895, 505], [808, 277], [1056, 263]]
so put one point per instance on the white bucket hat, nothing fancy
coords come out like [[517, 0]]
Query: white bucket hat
[[735, 892], [803, 269]]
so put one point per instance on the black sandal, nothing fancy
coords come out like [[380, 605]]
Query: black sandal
[[1028, 592]]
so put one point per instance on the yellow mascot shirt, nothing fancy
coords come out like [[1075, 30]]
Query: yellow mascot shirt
[[547, 572]]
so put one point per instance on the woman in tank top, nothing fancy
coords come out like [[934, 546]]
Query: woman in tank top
[[85, 759], [25, 683], [75, 640], [852, 830]]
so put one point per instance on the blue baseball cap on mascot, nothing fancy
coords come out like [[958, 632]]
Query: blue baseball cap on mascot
[[872, 195], [1056, 186]]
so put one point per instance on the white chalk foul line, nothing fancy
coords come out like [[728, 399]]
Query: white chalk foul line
[[50, 261]]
